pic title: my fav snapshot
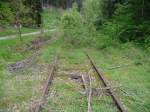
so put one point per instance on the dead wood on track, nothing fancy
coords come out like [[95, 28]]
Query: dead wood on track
[[90, 94], [23, 63]]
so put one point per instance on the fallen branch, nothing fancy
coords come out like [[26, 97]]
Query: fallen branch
[[84, 83], [90, 94], [87, 83], [119, 66], [106, 88]]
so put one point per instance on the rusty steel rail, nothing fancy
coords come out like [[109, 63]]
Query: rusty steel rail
[[101, 77], [38, 108]]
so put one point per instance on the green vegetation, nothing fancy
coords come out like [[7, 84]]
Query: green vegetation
[[133, 78], [114, 33], [20, 11], [51, 17], [8, 54], [126, 21], [129, 77], [17, 87], [130, 22]]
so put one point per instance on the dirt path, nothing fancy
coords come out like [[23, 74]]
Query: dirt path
[[25, 34]]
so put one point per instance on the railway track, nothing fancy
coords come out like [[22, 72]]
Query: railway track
[[39, 106], [88, 87], [100, 74]]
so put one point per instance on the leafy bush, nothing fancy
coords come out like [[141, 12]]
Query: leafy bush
[[6, 15], [75, 29], [51, 18], [94, 27], [92, 11], [124, 27]]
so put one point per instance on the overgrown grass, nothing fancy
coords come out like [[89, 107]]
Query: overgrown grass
[[68, 98], [16, 87], [19, 89], [132, 76]]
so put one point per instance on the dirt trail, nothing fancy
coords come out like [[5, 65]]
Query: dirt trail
[[25, 34]]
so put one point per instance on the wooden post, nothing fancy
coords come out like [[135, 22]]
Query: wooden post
[[20, 36]]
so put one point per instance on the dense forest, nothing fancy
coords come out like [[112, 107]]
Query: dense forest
[[124, 20], [28, 12]]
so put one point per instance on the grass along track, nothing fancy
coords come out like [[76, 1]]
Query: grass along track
[[105, 83], [67, 94], [65, 91], [84, 80]]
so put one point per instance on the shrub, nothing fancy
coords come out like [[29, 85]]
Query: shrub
[[93, 12], [76, 30], [125, 28], [6, 15]]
